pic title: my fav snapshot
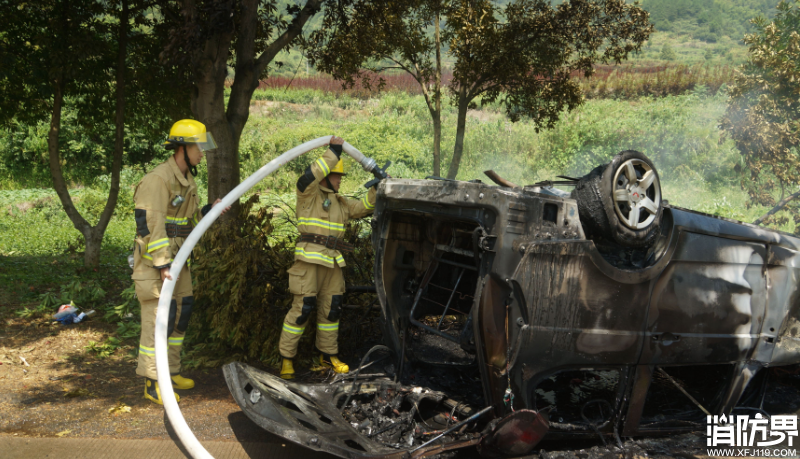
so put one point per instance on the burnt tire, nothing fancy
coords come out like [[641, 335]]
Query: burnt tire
[[621, 201]]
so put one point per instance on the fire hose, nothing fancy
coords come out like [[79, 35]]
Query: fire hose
[[187, 437]]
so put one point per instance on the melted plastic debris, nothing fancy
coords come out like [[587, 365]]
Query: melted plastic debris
[[405, 417]]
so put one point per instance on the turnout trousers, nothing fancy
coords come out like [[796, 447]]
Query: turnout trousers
[[314, 287], [148, 292]]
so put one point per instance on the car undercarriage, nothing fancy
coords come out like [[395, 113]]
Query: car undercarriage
[[510, 313]]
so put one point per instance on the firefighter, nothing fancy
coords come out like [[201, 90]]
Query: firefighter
[[315, 278], [166, 211]]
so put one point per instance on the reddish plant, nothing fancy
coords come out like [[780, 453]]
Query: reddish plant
[[608, 81]]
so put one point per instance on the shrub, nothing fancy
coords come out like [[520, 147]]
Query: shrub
[[241, 289], [667, 53]]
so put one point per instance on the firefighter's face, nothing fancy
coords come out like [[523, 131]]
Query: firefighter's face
[[336, 181], [195, 154]]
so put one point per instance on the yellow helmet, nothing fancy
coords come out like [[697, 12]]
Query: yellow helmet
[[338, 168], [185, 132]]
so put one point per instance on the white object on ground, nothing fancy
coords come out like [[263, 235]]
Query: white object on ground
[[190, 442], [65, 310]]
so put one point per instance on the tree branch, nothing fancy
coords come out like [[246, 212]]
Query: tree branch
[[781, 204], [406, 68], [119, 140], [425, 93], [59, 184], [190, 9], [238, 109], [291, 32]]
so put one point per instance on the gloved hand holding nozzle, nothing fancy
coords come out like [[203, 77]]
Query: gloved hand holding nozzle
[[369, 164]]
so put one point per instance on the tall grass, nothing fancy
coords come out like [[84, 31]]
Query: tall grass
[[658, 81], [678, 132], [390, 82], [626, 82]]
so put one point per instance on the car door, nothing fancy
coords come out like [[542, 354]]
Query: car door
[[708, 304]]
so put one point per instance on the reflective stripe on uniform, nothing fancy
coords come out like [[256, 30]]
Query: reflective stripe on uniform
[[315, 255], [365, 201], [340, 259], [175, 341], [194, 221], [148, 257], [147, 350], [178, 221], [320, 223], [293, 330], [324, 166], [155, 245], [328, 327]]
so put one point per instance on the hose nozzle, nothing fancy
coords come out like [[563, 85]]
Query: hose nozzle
[[368, 164]]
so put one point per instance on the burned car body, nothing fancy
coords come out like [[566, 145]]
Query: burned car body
[[605, 338]]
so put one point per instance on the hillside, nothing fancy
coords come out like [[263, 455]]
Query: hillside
[[687, 32], [707, 20]]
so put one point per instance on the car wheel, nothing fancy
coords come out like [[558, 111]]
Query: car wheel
[[621, 201]]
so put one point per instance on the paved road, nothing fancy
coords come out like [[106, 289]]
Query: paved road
[[103, 448]]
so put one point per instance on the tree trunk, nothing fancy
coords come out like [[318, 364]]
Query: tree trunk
[[59, 184], [434, 103], [461, 127], [94, 240], [437, 143], [208, 102], [208, 106], [437, 98], [92, 235]]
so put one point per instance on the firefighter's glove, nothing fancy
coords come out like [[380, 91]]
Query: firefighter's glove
[[336, 146], [380, 174]]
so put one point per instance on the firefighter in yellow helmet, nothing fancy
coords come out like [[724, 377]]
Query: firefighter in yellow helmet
[[316, 279], [166, 210]]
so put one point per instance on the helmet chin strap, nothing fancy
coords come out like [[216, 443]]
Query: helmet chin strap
[[328, 181], [192, 169]]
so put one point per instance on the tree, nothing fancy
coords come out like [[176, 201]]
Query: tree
[[763, 115], [667, 53], [521, 55], [386, 35], [80, 53], [526, 61], [204, 38]]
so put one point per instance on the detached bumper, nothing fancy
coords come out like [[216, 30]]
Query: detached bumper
[[307, 414]]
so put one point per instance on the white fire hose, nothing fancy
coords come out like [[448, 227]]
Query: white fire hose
[[186, 435]]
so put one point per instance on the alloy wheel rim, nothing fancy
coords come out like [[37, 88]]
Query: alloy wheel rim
[[637, 194]]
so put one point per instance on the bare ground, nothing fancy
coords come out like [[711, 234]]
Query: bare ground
[[67, 391]]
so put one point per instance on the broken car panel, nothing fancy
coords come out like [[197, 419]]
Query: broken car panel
[[640, 322]]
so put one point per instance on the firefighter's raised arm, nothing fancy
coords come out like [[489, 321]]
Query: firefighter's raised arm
[[320, 168]]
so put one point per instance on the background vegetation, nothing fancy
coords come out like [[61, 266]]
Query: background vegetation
[[40, 250], [667, 104]]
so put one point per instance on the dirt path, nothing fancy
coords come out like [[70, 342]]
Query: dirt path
[[50, 385]]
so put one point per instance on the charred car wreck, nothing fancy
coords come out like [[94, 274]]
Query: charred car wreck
[[604, 311]]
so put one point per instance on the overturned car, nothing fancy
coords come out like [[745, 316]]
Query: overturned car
[[514, 312]]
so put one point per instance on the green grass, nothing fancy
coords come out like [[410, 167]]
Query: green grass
[[40, 227], [40, 250], [678, 132]]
